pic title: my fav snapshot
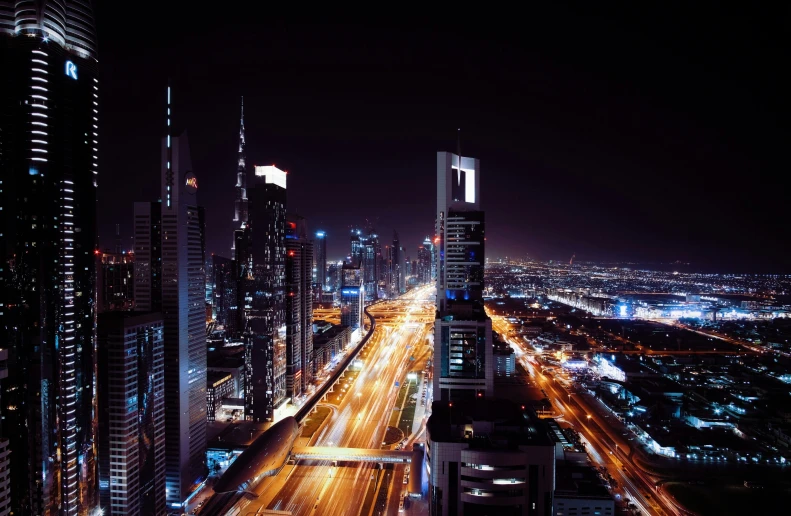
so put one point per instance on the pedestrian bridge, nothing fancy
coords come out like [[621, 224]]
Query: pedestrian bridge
[[352, 454]]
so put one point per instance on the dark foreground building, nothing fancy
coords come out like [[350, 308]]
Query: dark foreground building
[[131, 399], [49, 129]]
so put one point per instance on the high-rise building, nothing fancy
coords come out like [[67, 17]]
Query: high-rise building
[[241, 208], [424, 262], [352, 297], [263, 263], [334, 276], [463, 332], [370, 264], [299, 306], [320, 267], [5, 450], [49, 132], [397, 268], [115, 281], [170, 278], [225, 284], [131, 399]]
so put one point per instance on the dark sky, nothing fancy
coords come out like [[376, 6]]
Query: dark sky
[[642, 135]]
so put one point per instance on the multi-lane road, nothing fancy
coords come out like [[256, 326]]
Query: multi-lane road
[[358, 421], [607, 444]]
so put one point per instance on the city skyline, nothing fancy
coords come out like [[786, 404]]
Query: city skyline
[[651, 131], [392, 267]]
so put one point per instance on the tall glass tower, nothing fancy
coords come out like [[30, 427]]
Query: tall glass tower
[[49, 132], [170, 277], [463, 332]]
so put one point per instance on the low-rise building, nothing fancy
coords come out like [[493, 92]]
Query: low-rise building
[[219, 385], [579, 491]]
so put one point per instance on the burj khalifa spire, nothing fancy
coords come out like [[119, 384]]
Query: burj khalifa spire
[[240, 204]]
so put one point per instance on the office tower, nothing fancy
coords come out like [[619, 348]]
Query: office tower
[[488, 456], [320, 276], [209, 268], [225, 284], [241, 207], [424, 262], [352, 297], [5, 450], [463, 332], [370, 264], [299, 306], [115, 281], [263, 264], [131, 399], [49, 132], [397, 268], [170, 277], [334, 275], [357, 243]]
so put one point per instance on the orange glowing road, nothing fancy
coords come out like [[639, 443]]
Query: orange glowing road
[[606, 446], [359, 421]]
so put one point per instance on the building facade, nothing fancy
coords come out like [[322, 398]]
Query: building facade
[[5, 450], [170, 278], [131, 392], [219, 385], [463, 332], [352, 297], [263, 270], [486, 457], [49, 132], [299, 306], [320, 264], [115, 279]]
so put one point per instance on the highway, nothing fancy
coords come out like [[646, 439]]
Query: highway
[[606, 445], [359, 420]]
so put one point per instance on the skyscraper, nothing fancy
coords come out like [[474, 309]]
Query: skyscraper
[[49, 132], [397, 268], [352, 297], [463, 332], [263, 270], [170, 277], [241, 213], [5, 451], [131, 413], [320, 276], [299, 306]]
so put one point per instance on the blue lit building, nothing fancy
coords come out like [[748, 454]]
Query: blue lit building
[[463, 332], [352, 297], [170, 278], [49, 133]]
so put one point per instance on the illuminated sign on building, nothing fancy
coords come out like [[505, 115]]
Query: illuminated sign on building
[[71, 70], [272, 174], [191, 182]]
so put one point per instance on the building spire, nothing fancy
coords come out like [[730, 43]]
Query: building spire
[[241, 138], [240, 204]]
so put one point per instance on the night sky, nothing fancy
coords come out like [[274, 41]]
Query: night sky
[[643, 135]]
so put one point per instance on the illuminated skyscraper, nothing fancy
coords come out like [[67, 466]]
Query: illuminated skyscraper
[[320, 264], [463, 332], [49, 132], [170, 277], [241, 203], [263, 271], [131, 413], [299, 306], [352, 297]]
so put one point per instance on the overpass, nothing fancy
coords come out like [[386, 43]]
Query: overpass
[[352, 454]]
